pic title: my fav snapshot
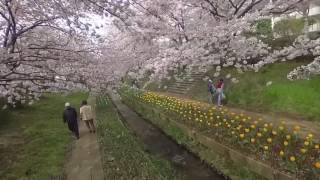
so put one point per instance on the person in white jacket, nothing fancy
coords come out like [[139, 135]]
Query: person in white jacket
[[86, 115]]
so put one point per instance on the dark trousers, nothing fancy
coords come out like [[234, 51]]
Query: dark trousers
[[73, 127]]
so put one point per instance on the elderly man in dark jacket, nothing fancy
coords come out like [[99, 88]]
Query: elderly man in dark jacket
[[70, 116]]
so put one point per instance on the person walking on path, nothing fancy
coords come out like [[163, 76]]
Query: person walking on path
[[211, 90], [219, 87], [86, 115], [70, 117]]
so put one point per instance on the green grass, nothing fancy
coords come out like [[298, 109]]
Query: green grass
[[44, 138], [298, 99], [123, 154]]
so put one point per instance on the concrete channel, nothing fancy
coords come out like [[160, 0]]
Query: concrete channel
[[157, 143]]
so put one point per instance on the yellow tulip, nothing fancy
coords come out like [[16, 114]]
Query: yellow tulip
[[281, 153], [302, 150], [274, 132], [269, 140], [308, 138], [253, 126], [288, 137], [265, 148], [253, 140], [292, 158], [281, 128], [246, 130], [316, 146], [317, 165], [306, 143], [285, 143], [259, 134], [296, 128], [241, 135]]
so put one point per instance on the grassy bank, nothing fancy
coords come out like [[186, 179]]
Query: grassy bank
[[123, 155], [297, 99], [34, 139]]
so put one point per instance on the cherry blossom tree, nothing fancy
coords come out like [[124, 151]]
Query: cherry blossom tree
[[207, 33], [43, 45], [50, 45]]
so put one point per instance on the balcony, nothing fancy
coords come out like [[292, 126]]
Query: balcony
[[314, 28]]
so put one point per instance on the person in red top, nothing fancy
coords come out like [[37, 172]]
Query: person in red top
[[219, 87]]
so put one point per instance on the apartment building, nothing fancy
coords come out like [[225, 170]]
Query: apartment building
[[314, 14]]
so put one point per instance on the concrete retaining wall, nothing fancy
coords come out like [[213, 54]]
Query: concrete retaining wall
[[235, 157]]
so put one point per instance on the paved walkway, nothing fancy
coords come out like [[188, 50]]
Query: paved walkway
[[85, 161]]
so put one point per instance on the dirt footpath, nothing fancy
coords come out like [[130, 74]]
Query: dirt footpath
[[85, 160]]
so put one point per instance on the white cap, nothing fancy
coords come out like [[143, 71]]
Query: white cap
[[67, 104]]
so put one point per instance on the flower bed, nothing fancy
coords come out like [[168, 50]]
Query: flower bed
[[280, 147]]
